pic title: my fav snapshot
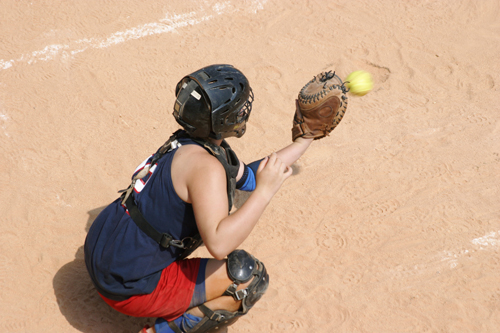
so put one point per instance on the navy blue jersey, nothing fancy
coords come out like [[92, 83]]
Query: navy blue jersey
[[121, 259]]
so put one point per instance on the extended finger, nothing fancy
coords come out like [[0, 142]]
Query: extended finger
[[272, 158], [282, 166]]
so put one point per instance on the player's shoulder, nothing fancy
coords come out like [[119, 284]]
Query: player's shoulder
[[195, 170], [197, 158]]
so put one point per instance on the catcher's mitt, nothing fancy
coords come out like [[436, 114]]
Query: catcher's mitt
[[320, 107]]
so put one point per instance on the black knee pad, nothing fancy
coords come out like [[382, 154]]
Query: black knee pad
[[241, 268]]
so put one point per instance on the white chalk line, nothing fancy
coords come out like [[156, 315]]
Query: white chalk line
[[168, 24], [448, 259], [3, 120], [490, 241]]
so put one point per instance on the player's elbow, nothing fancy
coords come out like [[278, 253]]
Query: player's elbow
[[219, 256], [218, 251]]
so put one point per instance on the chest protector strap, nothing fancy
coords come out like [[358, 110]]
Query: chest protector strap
[[226, 157]]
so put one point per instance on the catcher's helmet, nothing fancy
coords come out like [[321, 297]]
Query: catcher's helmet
[[214, 101]]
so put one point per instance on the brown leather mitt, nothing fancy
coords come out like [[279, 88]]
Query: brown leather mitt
[[320, 106]]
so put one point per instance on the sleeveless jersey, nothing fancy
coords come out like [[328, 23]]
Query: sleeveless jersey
[[121, 259]]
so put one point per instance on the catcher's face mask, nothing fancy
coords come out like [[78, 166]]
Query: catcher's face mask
[[244, 113]]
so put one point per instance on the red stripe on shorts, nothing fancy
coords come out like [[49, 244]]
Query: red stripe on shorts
[[171, 297]]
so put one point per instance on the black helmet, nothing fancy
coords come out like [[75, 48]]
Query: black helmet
[[214, 101]]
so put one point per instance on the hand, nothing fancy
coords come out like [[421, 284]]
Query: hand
[[271, 174]]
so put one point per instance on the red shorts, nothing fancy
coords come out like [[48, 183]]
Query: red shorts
[[171, 297]]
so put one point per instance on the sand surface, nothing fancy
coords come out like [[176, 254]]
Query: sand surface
[[391, 224]]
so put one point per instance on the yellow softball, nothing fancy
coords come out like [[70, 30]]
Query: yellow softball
[[359, 82]]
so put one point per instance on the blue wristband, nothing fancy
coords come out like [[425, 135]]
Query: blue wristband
[[247, 182], [255, 165]]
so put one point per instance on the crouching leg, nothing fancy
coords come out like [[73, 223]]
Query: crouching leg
[[241, 268]]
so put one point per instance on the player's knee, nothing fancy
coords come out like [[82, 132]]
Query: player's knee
[[243, 268]]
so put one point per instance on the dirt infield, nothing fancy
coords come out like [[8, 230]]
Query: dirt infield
[[390, 224]]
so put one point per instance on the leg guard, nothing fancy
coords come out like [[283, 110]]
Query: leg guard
[[214, 321], [241, 268]]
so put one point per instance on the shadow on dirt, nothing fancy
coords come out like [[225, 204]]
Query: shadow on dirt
[[80, 303]]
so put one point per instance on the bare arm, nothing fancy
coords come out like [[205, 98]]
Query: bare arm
[[204, 182], [289, 154], [206, 186], [294, 151]]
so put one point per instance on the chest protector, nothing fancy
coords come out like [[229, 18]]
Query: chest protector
[[226, 157]]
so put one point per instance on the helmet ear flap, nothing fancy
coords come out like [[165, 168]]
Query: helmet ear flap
[[191, 109]]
